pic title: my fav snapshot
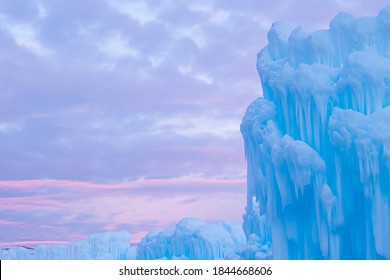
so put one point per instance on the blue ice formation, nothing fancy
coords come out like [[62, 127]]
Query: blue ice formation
[[192, 239], [103, 246], [318, 143]]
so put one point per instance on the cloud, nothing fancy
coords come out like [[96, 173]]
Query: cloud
[[8, 223], [35, 210], [129, 76], [20, 10], [138, 10]]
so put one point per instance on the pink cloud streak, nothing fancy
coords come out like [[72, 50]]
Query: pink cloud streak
[[142, 183], [51, 209], [33, 243], [31, 203]]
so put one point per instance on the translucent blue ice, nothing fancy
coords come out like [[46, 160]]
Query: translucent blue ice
[[192, 239], [318, 144], [104, 246]]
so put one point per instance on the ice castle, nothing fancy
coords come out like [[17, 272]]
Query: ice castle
[[318, 143], [317, 146]]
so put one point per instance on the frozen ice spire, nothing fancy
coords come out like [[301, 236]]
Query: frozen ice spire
[[317, 144]]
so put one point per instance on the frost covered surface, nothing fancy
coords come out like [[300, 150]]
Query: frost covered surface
[[192, 239], [103, 246], [318, 144]]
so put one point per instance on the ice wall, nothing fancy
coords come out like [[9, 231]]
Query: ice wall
[[104, 246], [318, 144], [192, 239]]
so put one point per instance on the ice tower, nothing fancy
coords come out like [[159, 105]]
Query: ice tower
[[317, 144]]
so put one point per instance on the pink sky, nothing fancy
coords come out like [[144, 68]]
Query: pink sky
[[46, 206]]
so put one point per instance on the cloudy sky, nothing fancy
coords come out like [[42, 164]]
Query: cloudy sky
[[122, 114]]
